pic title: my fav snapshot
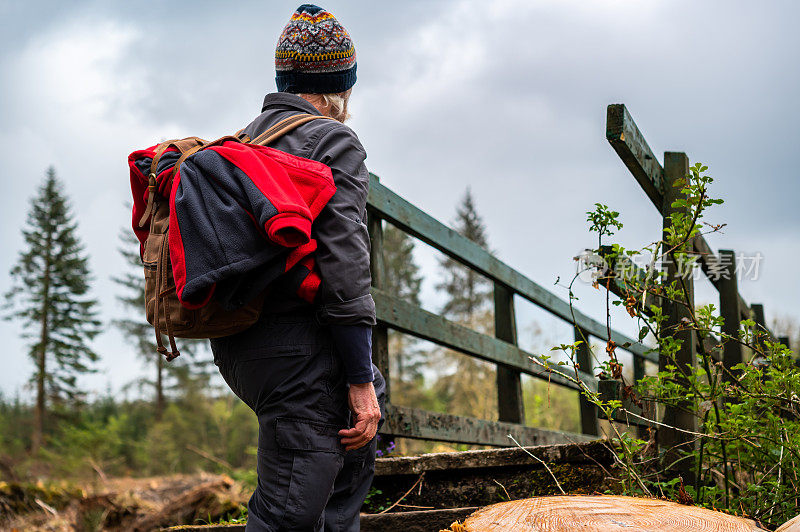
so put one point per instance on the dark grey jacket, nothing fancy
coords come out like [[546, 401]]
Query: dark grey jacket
[[340, 230]]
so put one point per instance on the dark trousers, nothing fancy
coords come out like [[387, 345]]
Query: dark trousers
[[286, 370]]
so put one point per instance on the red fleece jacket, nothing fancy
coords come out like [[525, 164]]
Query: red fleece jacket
[[236, 211]]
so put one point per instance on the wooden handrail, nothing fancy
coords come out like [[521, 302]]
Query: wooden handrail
[[386, 204]]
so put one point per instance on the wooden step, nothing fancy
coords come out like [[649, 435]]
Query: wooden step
[[431, 491], [479, 478], [423, 521]]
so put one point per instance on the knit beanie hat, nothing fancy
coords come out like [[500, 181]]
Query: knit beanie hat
[[315, 54]]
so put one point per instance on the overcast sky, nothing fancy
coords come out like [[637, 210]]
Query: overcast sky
[[506, 97]]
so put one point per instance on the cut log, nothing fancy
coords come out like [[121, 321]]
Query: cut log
[[792, 525], [202, 501], [601, 514]]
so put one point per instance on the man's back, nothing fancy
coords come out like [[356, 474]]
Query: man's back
[[305, 368], [340, 230]]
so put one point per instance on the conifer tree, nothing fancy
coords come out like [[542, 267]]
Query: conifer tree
[[468, 388], [50, 297], [402, 273], [402, 280], [137, 329], [468, 292]]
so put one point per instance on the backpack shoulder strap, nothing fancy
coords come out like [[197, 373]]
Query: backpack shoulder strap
[[285, 126], [191, 145], [182, 145]]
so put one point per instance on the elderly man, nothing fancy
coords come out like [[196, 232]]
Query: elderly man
[[305, 369]]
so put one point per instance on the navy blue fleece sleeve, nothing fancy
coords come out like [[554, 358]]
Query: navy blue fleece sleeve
[[354, 344]]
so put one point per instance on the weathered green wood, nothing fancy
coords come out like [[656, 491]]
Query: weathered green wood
[[638, 369], [583, 357], [622, 285], [638, 374], [632, 414], [729, 309], [510, 405], [421, 424], [411, 319], [624, 275], [758, 313], [423, 226], [629, 143], [711, 266], [618, 286], [761, 322], [676, 166], [413, 521], [380, 333], [485, 460]]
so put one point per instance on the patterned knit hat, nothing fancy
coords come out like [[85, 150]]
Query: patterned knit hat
[[314, 54]]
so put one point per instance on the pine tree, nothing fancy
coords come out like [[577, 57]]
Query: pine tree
[[469, 292], [50, 297], [402, 277], [139, 331], [468, 387], [402, 280]]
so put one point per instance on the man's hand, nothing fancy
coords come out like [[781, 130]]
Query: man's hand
[[367, 414]]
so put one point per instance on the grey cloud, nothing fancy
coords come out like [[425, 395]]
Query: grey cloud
[[507, 97]]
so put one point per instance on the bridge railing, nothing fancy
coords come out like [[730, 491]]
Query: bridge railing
[[502, 349], [720, 269]]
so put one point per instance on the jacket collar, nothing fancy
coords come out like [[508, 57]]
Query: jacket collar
[[290, 101]]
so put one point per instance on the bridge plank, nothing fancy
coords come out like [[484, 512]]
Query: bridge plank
[[420, 424], [596, 452]]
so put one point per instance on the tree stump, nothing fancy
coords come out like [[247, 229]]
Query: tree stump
[[601, 514], [792, 525]]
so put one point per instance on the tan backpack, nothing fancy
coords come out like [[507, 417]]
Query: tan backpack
[[162, 306]]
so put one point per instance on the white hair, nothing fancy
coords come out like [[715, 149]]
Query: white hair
[[335, 104]]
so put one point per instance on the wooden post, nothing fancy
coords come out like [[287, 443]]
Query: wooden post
[[647, 406], [638, 368], [510, 405], [728, 287], [758, 314], [584, 359], [676, 166], [380, 333], [758, 317]]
